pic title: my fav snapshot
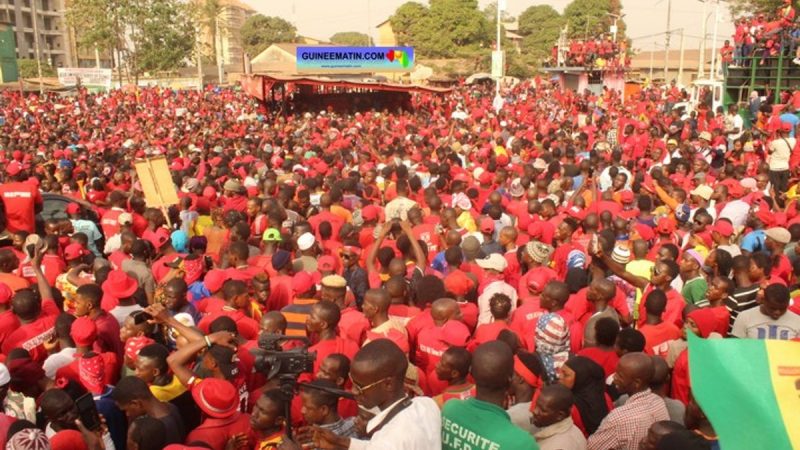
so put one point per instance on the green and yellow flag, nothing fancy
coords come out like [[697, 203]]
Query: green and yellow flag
[[750, 391]]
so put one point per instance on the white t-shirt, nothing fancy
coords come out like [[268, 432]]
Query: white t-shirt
[[755, 325], [780, 150]]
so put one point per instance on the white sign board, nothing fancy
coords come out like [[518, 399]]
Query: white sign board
[[88, 77], [497, 64]]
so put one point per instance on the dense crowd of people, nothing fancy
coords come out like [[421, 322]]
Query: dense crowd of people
[[762, 36], [464, 278], [601, 52]]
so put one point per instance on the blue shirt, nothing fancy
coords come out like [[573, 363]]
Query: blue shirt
[[754, 241]]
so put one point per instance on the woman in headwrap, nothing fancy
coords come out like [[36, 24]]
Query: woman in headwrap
[[586, 379]]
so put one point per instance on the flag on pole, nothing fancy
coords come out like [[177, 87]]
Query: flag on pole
[[749, 389]]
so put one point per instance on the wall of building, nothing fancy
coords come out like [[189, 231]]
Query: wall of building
[[54, 44]]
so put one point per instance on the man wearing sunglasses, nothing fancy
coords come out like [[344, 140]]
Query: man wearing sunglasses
[[378, 373]]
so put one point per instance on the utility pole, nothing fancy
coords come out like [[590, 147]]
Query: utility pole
[[666, 40], [680, 64], [499, 79], [36, 43], [220, 57], [652, 54], [714, 43], [701, 68], [199, 60]]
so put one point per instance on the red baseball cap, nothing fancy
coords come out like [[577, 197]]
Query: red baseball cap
[[83, 331], [14, 168], [458, 283], [326, 263], [665, 226], [626, 196], [487, 225], [73, 208], [370, 212], [214, 280], [74, 251], [302, 282], [723, 227]]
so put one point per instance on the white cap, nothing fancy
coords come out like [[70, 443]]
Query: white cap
[[495, 262], [124, 218], [703, 191], [305, 241]]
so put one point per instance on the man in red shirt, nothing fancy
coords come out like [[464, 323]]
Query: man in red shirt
[[657, 333], [110, 220], [321, 328], [446, 332], [236, 300], [87, 303], [22, 200], [233, 200], [36, 327]]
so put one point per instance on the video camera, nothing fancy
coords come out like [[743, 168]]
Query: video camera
[[272, 361]]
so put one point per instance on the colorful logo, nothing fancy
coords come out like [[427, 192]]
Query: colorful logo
[[399, 56]]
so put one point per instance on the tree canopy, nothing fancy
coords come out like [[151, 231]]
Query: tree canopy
[[27, 68], [739, 7], [353, 38], [540, 26], [260, 31], [590, 17], [146, 35], [446, 29]]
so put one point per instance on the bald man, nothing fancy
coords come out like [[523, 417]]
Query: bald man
[[482, 422], [625, 427], [378, 373], [552, 418], [452, 239], [376, 310], [600, 293], [433, 341]]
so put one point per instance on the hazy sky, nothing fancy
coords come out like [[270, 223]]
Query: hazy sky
[[322, 18]]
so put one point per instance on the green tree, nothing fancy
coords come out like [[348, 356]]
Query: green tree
[[27, 69], [540, 26], [353, 38], [404, 20], [165, 37], [590, 17], [102, 26], [259, 32], [739, 7], [453, 28]]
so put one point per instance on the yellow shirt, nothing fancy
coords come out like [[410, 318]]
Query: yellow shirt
[[200, 225], [168, 392], [640, 268], [466, 222]]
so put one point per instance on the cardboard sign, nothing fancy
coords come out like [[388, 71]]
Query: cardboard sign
[[156, 181]]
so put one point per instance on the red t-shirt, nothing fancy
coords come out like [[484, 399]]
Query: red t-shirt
[[217, 432], [433, 341], [523, 322], [656, 337], [353, 325], [485, 333], [247, 326], [607, 359], [31, 337], [672, 314], [110, 222], [328, 347], [20, 200]]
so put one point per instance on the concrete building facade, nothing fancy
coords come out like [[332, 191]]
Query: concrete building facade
[[54, 43]]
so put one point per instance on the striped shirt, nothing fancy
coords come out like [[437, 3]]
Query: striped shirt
[[296, 314], [743, 298]]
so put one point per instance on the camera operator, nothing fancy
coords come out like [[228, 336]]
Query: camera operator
[[378, 372]]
